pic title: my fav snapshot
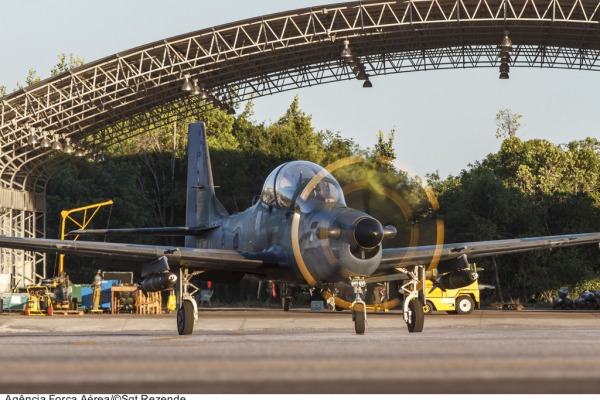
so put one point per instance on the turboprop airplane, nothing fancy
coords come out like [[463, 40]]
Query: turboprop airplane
[[299, 230]]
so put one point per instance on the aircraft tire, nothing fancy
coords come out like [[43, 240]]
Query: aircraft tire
[[285, 303], [185, 318], [464, 305], [358, 315], [417, 316]]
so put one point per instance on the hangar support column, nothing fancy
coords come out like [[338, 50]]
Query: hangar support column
[[22, 214]]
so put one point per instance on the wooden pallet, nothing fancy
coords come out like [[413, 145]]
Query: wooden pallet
[[67, 312]]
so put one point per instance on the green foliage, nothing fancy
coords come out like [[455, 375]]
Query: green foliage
[[592, 285], [31, 79], [65, 65], [529, 188], [507, 123], [384, 151]]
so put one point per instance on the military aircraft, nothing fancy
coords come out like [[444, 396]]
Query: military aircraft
[[299, 230]]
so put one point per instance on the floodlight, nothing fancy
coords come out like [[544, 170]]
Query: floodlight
[[187, 86], [56, 145], [68, 148], [45, 142]]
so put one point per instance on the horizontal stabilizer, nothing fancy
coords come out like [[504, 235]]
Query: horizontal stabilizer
[[159, 231]]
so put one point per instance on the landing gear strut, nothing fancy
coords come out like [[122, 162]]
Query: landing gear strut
[[414, 298], [187, 313], [358, 307], [285, 297]]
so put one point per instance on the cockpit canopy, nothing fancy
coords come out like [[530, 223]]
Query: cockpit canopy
[[284, 186]]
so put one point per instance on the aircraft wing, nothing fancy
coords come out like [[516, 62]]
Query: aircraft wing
[[423, 255], [162, 231], [224, 260]]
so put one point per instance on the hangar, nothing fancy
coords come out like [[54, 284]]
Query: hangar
[[103, 102]]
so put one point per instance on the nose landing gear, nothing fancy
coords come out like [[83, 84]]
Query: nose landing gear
[[359, 307]]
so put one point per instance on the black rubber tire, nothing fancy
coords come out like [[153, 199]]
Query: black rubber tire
[[464, 305], [358, 315], [428, 308], [285, 303], [417, 317], [185, 318]]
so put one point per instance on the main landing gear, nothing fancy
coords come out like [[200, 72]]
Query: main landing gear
[[285, 296], [187, 313], [414, 297], [413, 314]]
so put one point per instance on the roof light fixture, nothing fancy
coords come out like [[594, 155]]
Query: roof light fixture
[[346, 52], [187, 86], [56, 145], [196, 90], [358, 69], [68, 148], [504, 55], [32, 140], [506, 44], [45, 142]]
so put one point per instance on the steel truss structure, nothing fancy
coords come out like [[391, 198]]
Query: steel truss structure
[[103, 102]]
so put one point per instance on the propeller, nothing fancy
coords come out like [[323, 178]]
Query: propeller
[[367, 232]]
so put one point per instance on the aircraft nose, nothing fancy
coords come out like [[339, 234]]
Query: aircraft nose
[[368, 233]]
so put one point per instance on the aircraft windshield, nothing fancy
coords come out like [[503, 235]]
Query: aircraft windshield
[[286, 183]]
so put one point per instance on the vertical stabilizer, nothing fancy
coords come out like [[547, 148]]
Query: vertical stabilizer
[[203, 207]]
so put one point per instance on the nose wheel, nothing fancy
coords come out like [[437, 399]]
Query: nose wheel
[[359, 316], [359, 307]]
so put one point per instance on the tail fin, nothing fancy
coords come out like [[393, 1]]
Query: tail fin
[[203, 207]]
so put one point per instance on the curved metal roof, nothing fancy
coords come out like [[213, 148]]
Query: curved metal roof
[[94, 104]]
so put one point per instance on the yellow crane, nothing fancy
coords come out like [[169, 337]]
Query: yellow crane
[[61, 282]]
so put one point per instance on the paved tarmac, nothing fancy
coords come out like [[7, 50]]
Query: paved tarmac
[[271, 351]]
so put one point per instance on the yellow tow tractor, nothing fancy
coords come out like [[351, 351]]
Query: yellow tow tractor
[[39, 301], [454, 301]]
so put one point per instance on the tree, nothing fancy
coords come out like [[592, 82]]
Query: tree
[[31, 79], [384, 152], [528, 188], [65, 65], [507, 123]]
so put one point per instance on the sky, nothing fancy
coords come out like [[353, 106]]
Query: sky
[[444, 120]]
